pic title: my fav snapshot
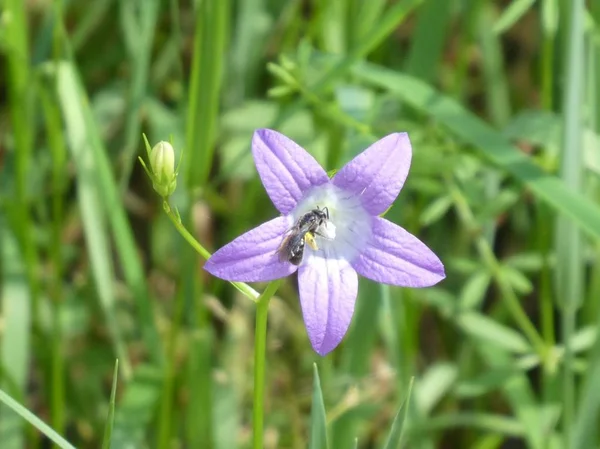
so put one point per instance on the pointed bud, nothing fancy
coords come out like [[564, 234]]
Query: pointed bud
[[162, 165]]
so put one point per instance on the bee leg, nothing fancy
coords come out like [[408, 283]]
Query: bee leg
[[310, 239]]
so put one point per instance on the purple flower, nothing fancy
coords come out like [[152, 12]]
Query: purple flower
[[363, 242]]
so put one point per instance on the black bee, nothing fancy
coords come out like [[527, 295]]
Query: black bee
[[303, 231]]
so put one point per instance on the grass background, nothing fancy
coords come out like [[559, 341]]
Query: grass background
[[501, 102]]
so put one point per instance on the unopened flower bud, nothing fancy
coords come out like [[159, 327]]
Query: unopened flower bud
[[162, 164]]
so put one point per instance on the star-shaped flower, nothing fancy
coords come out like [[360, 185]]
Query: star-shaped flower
[[363, 242]]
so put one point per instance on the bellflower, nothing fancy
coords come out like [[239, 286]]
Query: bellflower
[[363, 242]]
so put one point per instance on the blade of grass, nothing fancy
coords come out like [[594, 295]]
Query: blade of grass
[[489, 143], [208, 63], [366, 17], [428, 40], [14, 348], [318, 419], [34, 421], [137, 407], [332, 26], [111, 409], [91, 21], [93, 212], [585, 425], [568, 244], [72, 95], [497, 92], [398, 426], [246, 51]]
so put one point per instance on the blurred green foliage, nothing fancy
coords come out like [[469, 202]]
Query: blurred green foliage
[[501, 103]]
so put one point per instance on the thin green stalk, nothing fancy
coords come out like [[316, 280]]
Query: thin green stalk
[[244, 288], [260, 349]]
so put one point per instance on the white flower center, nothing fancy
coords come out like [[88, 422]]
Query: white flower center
[[348, 230]]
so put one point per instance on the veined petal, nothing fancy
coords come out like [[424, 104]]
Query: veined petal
[[328, 289], [395, 256], [377, 174], [285, 168], [253, 256]]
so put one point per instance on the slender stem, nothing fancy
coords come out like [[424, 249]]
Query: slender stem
[[244, 288], [260, 345]]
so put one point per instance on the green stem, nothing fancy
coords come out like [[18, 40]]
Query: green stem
[[260, 345], [244, 288]]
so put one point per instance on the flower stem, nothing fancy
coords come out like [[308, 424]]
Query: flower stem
[[260, 346], [244, 288]]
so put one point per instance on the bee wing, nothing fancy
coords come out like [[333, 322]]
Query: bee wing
[[284, 248]]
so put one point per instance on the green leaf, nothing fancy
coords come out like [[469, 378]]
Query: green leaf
[[396, 433], [485, 382], [498, 205], [488, 142], [436, 210], [483, 328], [474, 290], [434, 385], [516, 279], [318, 421], [527, 262], [512, 14]]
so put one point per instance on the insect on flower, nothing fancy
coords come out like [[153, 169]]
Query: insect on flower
[[330, 231], [304, 230]]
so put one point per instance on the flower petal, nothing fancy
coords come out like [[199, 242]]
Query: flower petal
[[285, 168], [328, 289], [395, 256], [253, 256], [378, 173]]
